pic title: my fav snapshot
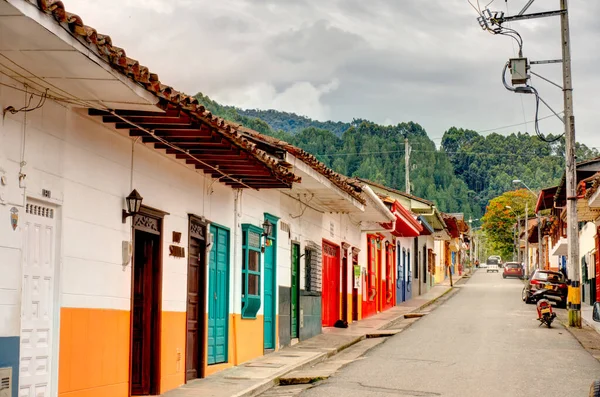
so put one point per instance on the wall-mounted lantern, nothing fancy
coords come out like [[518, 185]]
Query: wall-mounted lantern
[[267, 228], [134, 202]]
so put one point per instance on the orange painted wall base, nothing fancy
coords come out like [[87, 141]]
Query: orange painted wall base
[[172, 350], [94, 353], [246, 342], [95, 349]]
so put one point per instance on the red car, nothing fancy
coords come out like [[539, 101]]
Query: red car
[[513, 269]]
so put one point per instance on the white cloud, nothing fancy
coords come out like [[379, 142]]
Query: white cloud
[[301, 97], [411, 60]]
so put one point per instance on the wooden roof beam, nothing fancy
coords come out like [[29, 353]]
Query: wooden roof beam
[[149, 119], [154, 126], [140, 113], [171, 133]]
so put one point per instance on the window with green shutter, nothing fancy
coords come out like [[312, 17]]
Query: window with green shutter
[[251, 300]]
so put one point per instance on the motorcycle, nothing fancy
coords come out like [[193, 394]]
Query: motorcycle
[[544, 308]]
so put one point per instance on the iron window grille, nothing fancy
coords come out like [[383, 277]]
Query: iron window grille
[[251, 275], [313, 267]]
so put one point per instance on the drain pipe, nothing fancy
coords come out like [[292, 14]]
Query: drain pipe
[[236, 214]]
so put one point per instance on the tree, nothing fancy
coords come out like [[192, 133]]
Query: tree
[[499, 222]]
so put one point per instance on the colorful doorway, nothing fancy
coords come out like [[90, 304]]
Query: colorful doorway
[[270, 279], [218, 296], [331, 285], [196, 300], [146, 303], [39, 275], [295, 291]]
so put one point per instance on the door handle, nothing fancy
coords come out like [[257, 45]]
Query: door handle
[[215, 296]]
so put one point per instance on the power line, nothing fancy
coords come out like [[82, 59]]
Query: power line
[[511, 154], [516, 125]]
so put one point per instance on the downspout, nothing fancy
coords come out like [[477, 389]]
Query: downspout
[[236, 214]]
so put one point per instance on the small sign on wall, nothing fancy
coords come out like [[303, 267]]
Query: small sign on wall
[[176, 251]]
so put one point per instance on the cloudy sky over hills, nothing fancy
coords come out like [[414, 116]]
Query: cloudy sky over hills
[[387, 61]]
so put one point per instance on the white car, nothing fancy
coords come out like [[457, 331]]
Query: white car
[[492, 267]]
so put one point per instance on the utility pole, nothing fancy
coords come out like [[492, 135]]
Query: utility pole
[[519, 259], [540, 241], [471, 245], [487, 20], [527, 238], [571, 174], [407, 165]]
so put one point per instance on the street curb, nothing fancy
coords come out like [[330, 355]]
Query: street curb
[[270, 383]]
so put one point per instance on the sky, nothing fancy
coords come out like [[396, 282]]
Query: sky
[[393, 61]]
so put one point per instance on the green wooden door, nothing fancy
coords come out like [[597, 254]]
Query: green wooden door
[[270, 278], [218, 296], [295, 287]]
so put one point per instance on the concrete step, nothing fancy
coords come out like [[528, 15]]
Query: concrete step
[[328, 367]]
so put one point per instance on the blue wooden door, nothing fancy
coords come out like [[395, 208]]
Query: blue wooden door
[[270, 278], [408, 277], [269, 308], [218, 296], [399, 276]]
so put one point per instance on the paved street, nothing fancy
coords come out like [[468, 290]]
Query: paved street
[[484, 341]]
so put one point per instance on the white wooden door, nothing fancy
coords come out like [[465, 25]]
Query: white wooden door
[[37, 317]]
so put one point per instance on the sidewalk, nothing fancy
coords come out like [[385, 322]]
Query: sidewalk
[[256, 376], [586, 316]]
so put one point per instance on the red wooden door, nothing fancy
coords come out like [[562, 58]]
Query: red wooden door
[[330, 296], [388, 292], [370, 295]]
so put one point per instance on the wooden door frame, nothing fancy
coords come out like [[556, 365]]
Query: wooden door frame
[[344, 279], [355, 304], [54, 347], [156, 329], [274, 238], [227, 286], [296, 243], [339, 275], [202, 327]]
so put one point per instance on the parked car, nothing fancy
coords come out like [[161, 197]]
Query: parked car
[[492, 265], [498, 258], [513, 269], [554, 282]]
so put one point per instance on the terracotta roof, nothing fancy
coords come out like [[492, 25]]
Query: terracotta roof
[[102, 46], [341, 181], [391, 190], [546, 199], [584, 170], [452, 225], [590, 186]]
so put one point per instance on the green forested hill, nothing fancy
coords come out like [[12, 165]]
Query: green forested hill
[[461, 176], [293, 123], [488, 164]]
